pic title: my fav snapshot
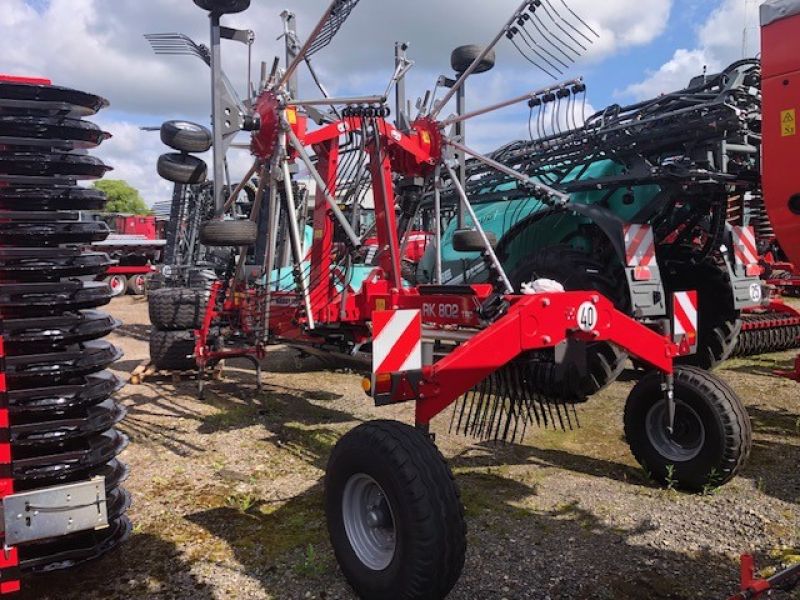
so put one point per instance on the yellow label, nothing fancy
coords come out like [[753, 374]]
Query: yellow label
[[291, 116], [380, 304], [318, 234], [788, 122], [426, 137]]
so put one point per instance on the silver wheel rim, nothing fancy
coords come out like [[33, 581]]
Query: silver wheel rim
[[369, 522], [689, 435], [117, 285]]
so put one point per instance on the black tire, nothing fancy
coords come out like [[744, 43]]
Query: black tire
[[154, 281], [463, 57], [469, 240], [182, 168], [229, 233], [223, 7], [718, 323], [705, 404], [185, 136], [577, 271], [118, 285], [202, 279], [422, 504], [172, 350], [173, 309], [136, 284]]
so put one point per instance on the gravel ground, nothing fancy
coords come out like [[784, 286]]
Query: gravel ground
[[228, 494]]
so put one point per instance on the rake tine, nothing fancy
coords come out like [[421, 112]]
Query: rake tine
[[558, 412], [577, 16], [569, 23], [532, 38], [480, 417], [532, 404], [475, 408], [549, 36], [500, 405], [557, 24], [575, 413], [513, 414], [528, 58], [524, 34], [566, 413]]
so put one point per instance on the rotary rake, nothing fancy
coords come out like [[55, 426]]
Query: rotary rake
[[394, 517]]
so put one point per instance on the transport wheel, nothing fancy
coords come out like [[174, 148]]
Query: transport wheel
[[182, 168], [136, 284], [712, 436], [463, 57], [223, 6], [118, 284], [394, 513], [469, 240], [177, 308], [172, 350], [229, 233], [185, 136], [576, 270]]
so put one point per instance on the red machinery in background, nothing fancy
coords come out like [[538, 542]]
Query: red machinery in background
[[136, 243], [780, 58]]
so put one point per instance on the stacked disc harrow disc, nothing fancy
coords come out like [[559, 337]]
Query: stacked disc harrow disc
[[59, 396]]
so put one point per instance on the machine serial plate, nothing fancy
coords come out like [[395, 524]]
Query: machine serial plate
[[55, 511]]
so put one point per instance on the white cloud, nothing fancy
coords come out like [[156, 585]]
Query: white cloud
[[729, 33], [98, 46]]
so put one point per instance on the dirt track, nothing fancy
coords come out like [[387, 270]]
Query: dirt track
[[227, 494]]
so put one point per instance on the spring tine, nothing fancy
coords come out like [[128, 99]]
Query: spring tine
[[463, 409], [566, 414], [569, 23], [549, 36], [474, 418], [513, 415], [557, 117], [480, 423], [577, 16], [529, 59], [557, 405], [524, 34], [504, 403], [532, 38], [557, 24], [529, 394], [476, 392]]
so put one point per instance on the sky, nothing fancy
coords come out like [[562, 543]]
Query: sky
[[646, 47]]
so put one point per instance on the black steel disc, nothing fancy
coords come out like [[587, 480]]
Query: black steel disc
[[74, 549], [30, 98], [57, 132], [36, 299], [42, 216], [46, 264], [114, 472], [57, 198], [19, 233], [62, 399], [70, 458], [29, 370], [49, 164], [41, 334], [85, 422]]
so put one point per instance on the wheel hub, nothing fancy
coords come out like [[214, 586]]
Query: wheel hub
[[688, 434], [369, 522]]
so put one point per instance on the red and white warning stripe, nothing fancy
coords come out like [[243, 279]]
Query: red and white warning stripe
[[744, 247], [640, 245], [396, 341], [684, 325], [640, 250]]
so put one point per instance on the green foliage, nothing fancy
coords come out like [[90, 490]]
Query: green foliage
[[122, 198]]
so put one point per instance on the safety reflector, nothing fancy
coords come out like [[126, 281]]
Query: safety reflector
[[684, 326], [640, 246], [397, 341], [745, 250]]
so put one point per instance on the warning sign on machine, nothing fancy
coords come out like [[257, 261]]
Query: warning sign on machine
[[788, 122]]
